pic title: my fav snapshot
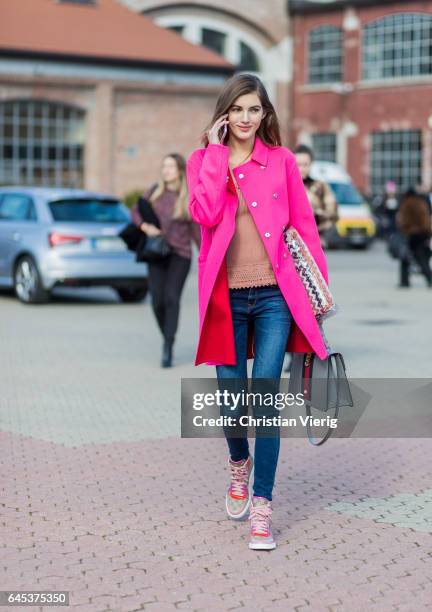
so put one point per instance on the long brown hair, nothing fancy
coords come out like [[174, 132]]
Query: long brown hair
[[239, 85], [181, 206]]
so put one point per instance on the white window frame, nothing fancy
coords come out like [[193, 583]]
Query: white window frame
[[52, 130], [328, 31], [399, 152], [388, 26]]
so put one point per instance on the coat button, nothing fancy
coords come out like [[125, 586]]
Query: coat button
[[241, 175], [254, 204], [267, 234], [275, 195], [284, 254], [277, 266]]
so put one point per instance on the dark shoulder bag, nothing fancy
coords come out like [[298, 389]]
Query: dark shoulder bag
[[151, 248], [131, 233], [324, 385]]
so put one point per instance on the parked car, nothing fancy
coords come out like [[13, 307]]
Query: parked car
[[356, 226], [65, 237]]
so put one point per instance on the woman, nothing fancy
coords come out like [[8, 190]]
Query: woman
[[169, 198], [414, 221], [245, 188]]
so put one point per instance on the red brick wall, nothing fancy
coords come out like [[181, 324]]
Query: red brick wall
[[155, 123], [405, 106], [129, 127]]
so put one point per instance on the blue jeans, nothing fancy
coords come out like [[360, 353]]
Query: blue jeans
[[266, 309]]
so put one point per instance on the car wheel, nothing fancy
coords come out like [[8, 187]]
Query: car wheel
[[132, 295], [28, 283]]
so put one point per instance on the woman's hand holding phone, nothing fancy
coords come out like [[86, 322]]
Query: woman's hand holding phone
[[214, 132]]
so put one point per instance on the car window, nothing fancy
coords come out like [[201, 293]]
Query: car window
[[346, 193], [92, 210], [16, 207]]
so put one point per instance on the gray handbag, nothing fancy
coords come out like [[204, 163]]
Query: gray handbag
[[323, 383]]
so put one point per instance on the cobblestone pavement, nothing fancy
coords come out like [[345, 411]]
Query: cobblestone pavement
[[141, 525], [101, 497]]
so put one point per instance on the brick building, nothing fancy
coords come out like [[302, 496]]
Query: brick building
[[362, 87], [93, 94], [253, 35]]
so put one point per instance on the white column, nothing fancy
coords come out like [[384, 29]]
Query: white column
[[232, 49], [192, 33], [348, 130]]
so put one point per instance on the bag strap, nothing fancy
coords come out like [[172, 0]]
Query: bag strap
[[312, 440], [331, 359], [324, 337]]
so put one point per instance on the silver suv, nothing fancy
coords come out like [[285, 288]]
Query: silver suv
[[65, 237]]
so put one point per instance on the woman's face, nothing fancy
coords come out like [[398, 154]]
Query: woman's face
[[304, 163], [169, 170], [245, 116]]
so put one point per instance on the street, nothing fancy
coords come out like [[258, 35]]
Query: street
[[102, 498]]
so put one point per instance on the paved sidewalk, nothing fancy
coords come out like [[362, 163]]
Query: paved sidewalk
[[101, 497], [141, 526]]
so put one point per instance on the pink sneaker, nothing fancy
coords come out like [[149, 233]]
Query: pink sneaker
[[261, 537], [238, 496]]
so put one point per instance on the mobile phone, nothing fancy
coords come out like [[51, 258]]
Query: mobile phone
[[224, 131]]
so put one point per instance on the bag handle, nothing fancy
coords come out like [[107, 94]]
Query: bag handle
[[324, 337], [331, 365]]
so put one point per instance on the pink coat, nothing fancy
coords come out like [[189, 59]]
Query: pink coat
[[274, 192]]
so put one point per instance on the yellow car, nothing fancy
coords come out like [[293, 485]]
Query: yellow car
[[356, 226]]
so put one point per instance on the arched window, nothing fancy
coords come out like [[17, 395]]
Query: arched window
[[234, 45], [248, 58], [398, 45], [41, 143], [177, 28], [214, 40], [325, 55]]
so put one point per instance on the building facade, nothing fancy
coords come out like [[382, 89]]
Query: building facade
[[94, 92], [362, 88], [93, 95], [251, 34]]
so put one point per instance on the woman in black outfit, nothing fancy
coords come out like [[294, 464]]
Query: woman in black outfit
[[169, 198]]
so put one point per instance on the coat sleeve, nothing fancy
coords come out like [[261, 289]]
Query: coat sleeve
[[206, 178], [302, 216], [135, 215]]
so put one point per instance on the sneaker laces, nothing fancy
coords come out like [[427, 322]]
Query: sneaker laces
[[239, 478], [260, 518]]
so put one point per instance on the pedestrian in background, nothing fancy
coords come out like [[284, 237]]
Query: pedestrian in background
[[320, 195], [167, 276], [245, 188], [388, 209], [414, 221], [428, 197]]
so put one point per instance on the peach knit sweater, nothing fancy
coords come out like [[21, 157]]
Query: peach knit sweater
[[248, 264]]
